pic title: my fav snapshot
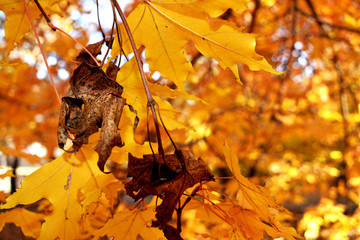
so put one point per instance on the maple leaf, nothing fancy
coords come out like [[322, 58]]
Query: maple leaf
[[164, 28], [129, 225], [254, 207], [93, 100], [17, 23], [170, 176], [28, 221], [59, 181], [133, 90]]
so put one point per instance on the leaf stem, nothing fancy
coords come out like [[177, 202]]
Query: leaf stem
[[41, 50], [151, 101]]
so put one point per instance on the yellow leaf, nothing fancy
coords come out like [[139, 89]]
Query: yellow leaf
[[164, 44], [93, 189], [134, 93], [59, 181], [256, 196], [247, 222], [260, 214], [214, 8], [164, 29], [129, 224], [17, 22], [126, 124], [171, 93], [29, 222]]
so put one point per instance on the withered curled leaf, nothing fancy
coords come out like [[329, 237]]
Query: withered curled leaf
[[93, 101], [168, 177]]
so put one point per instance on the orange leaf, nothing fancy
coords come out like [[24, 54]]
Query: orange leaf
[[8, 173]]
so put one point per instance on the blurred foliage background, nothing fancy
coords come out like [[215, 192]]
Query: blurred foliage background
[[296, 133]]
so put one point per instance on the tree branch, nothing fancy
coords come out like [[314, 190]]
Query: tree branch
[[323, 23], [253, 20]]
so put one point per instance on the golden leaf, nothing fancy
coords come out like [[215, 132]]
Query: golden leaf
[[260, 214], [17, 22], [30, 222], [59, 181], [164, 28], [133, 223]]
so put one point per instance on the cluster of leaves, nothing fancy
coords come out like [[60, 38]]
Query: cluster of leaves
[[296, 133]]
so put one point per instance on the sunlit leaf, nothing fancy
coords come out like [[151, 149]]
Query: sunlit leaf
[[59, 181], [29, 222], [131, 221]]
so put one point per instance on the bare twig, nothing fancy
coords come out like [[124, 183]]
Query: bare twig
[[41, 49], [54, 28]]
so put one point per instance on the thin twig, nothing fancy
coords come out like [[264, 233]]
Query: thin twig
[[54, 28], [41, 50]]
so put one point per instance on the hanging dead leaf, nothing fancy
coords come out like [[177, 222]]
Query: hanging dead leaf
[[168, 177], [93, 101]]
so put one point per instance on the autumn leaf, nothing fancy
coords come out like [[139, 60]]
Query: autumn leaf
[[17, 22], [167, 176], [251, 195], [164, 28], [253, 212], [3, 196], [131, 221], [134, 93], [248, 223], [93, 101], [60, 182], [30, 222]]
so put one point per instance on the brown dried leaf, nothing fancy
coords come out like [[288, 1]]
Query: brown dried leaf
[[94, 49], [89, 82], [177, 172], [93, 101]]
